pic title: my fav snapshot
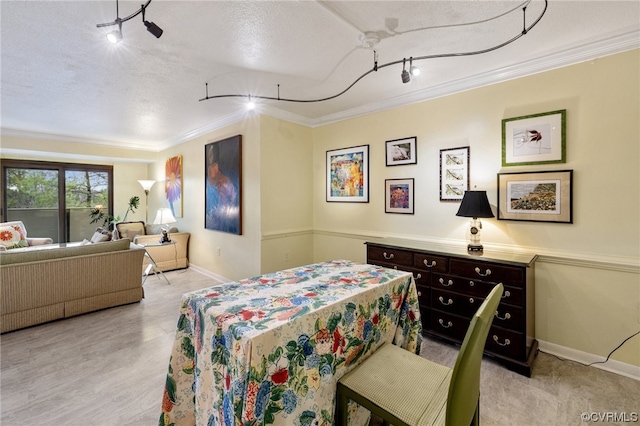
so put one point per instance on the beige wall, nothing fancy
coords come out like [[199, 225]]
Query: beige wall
[[587, 281], [239, 255], [286, 194]]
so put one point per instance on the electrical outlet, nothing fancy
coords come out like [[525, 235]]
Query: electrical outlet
[[286, 256], [218, 251]]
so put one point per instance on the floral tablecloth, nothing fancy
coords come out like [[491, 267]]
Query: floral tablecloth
[[270, 349]]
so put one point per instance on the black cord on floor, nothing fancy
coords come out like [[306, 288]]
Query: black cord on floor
[[595, 362]]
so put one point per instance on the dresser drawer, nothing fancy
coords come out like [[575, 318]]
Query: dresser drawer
[[488, 272], [462, 285], [430, 263], [459, 304], [508, 316], [424, 295], [512, 295], [449, 325], [389, 255], [505, 342]]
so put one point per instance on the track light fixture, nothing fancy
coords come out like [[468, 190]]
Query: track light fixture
[[115, 36], [406, 76]]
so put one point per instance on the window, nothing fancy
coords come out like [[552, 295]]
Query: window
[[54, 199]]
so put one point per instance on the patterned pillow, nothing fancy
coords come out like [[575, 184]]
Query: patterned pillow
[[10, 237]]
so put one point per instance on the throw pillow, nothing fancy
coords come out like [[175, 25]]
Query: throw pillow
[[21, 231], [130, 229], [11, 238], [99, 237]]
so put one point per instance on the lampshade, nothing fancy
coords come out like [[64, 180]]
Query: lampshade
[[475, 204], [164, 216], [146, 184]]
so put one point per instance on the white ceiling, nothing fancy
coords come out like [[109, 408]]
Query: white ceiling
[[61, 78]]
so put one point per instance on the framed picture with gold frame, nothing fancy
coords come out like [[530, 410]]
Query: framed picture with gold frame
[[536, 196]]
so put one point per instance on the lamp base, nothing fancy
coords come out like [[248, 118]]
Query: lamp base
[[165, 237], [475, 248]]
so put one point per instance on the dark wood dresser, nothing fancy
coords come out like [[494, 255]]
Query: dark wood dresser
[[453, 283]]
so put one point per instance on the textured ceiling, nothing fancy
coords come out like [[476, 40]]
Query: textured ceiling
[[61, 77]]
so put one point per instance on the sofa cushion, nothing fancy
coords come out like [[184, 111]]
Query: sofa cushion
[[12, 237], [130, 229], [100, 236], [35, 254]]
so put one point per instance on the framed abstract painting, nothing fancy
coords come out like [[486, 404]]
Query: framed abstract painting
[[223, 185], [398, 196], [173, 184], [348, 175]]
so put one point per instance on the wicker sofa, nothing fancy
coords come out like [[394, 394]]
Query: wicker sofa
[[60, 281], [167, 256]]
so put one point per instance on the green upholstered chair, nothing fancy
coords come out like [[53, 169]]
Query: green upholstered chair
[[405, 389]]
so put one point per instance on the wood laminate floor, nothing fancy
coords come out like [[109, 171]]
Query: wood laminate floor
[[109, 368]]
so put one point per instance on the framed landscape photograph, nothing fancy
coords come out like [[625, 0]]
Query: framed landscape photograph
[[398, 196], [348, 175], [223, 185], [402, 151], [534, 139], [536, 196], [454, 173]]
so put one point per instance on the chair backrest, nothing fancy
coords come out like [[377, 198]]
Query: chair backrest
[[464, 389]]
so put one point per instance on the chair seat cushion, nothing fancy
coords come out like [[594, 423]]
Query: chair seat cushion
[[420, 379]]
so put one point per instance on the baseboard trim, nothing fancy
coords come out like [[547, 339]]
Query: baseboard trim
[[209, 274], [612, 366]]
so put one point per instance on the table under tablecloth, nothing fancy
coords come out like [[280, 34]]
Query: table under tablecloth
[[270, 349]]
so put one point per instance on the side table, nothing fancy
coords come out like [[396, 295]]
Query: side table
[[153, 266]]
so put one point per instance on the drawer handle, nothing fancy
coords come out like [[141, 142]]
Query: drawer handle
[[449, 323], [505, 317], [448, 284], [395, 267], [471, 284], [506, 294], [419, 294], [418, 277], [485, 274], [426, 263], [472, 300], [507, 342], [388, 256], [449, 302]]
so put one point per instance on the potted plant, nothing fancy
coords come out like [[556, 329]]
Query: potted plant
[[98, 215]]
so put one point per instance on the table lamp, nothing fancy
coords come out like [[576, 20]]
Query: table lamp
[[164, 217], [475, 205]]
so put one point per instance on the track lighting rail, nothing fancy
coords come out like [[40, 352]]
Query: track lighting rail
[[377, 67]]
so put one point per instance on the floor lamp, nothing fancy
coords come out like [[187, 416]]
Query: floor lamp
[[146, 185]]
